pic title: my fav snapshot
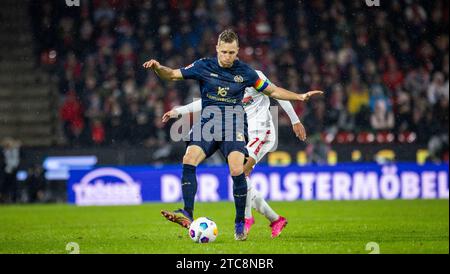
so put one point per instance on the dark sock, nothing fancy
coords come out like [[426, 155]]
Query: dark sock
[[240, 196], [189, 187]]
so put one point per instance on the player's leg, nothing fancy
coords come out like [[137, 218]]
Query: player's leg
[[252, 148], [236, 165], [277, 222], [249, 219], [257, 150], [193, 157], [255, 199]]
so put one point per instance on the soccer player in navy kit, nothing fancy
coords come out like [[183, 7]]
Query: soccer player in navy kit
[[223, 81]]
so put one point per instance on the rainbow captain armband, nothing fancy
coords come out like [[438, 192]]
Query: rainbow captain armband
[[261, 85]]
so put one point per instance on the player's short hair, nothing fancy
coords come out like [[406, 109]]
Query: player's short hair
[[228, 36]]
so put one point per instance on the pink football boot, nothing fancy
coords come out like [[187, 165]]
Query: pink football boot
[[277, 226], [248, 224]]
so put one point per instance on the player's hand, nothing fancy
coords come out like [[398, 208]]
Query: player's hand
[[169, 115], [305, 97], [299, 131], [152, 64]]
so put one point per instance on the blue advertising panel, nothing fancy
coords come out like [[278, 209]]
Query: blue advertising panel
[[135, 185]]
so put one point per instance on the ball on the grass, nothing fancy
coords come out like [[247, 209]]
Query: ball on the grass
[[203, 230]]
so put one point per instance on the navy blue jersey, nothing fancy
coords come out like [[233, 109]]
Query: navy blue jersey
[[222, 86], [223, 89]]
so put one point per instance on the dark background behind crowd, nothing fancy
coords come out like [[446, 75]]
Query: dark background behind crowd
[[383, 69]]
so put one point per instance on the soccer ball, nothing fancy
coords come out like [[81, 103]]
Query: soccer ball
[[203, 230]]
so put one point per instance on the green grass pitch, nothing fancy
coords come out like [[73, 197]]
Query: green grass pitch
[[398, 226]]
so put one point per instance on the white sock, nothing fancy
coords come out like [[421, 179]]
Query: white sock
[[262, 207], [250, 199]]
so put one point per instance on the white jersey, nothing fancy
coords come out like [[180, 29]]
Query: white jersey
[[261, 129], [256, 105]]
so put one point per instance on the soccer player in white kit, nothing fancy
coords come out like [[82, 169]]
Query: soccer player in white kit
[[262, 139]]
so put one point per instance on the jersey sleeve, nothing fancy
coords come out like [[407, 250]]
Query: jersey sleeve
[[289, 109], [191, 108], [193, 70]]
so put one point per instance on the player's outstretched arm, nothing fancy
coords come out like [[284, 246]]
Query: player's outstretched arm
[[163, 72], [297, 126], [284, 94], [173, 113], [182, 110], [289, 109]]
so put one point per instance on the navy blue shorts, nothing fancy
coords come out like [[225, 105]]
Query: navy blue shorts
[[226, 147], [238, 142]]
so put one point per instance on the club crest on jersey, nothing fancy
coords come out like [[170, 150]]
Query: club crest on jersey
[[238, 79], [247, 101], [222, 91]]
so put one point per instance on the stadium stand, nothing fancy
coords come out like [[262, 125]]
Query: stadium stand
[[370, 71], [26, 101], [378, 79]]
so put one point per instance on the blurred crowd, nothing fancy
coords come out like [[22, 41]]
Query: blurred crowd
[[383, 69]]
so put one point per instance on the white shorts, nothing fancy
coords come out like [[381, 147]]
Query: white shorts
[[261, 141]]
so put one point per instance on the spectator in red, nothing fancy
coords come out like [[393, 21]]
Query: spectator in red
[[386, 56], [126, 56], [393, 77], [177, 4], [97, 132], [72, 66], [71, 113]]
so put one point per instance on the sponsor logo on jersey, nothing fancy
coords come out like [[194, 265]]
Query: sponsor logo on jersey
[[238, 79], [221, 99], [214, 75], [222, 91]]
